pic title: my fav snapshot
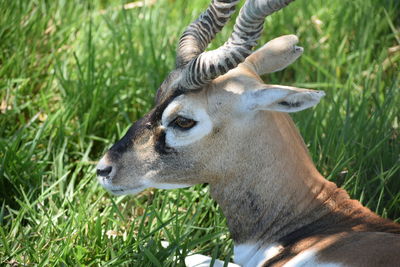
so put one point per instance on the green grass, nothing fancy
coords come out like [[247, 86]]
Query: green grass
[[75, 74]]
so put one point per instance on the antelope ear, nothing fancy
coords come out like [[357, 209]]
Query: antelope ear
[[280, 98], [275, 55]]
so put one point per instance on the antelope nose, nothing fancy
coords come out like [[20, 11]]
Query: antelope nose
[[104, 172]]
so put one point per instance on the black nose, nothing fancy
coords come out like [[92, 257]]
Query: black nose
[[104, 172]]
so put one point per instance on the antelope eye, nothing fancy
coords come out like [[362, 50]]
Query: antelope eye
[[183, 123]]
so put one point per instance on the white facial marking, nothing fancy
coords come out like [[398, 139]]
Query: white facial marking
[[249, 255], [145, 182], [190, 110], [309, 258], [150, 183], [169, 186]]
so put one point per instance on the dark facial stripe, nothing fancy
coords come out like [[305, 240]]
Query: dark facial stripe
[[126, 142], [149, 122], [161, 146], [156, 113], [155, 119]]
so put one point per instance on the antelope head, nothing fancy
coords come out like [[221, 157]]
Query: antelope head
[[211, 108]]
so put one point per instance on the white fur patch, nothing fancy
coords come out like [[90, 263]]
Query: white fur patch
[[169, 186], [248, 255], [122, 190], [309, 258], [199, 260], [190, 110]]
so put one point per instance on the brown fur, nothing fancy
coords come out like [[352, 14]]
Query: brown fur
[[259, 172]]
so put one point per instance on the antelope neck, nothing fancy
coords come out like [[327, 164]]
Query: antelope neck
[[277, 191], [276, 196]]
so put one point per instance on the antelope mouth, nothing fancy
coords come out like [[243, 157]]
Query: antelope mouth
[[120, 190]]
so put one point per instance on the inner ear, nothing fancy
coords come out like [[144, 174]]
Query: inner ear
[[290, 104], [281, 98]]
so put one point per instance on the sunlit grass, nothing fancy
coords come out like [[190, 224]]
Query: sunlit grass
[[73, 76]]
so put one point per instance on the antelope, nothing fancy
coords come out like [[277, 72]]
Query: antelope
[[216, 122]]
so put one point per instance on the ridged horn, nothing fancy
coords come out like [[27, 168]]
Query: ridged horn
[[200, 33], [246, 32]]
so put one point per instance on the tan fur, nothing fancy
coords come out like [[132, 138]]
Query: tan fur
[[261, 174], [280, 52]]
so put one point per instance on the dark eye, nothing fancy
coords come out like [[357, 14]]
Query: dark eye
[[183, 123]]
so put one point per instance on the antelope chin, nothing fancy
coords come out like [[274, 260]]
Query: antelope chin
[[126, 191], [120, 190]]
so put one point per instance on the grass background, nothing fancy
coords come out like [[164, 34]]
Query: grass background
[[75, 74]]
